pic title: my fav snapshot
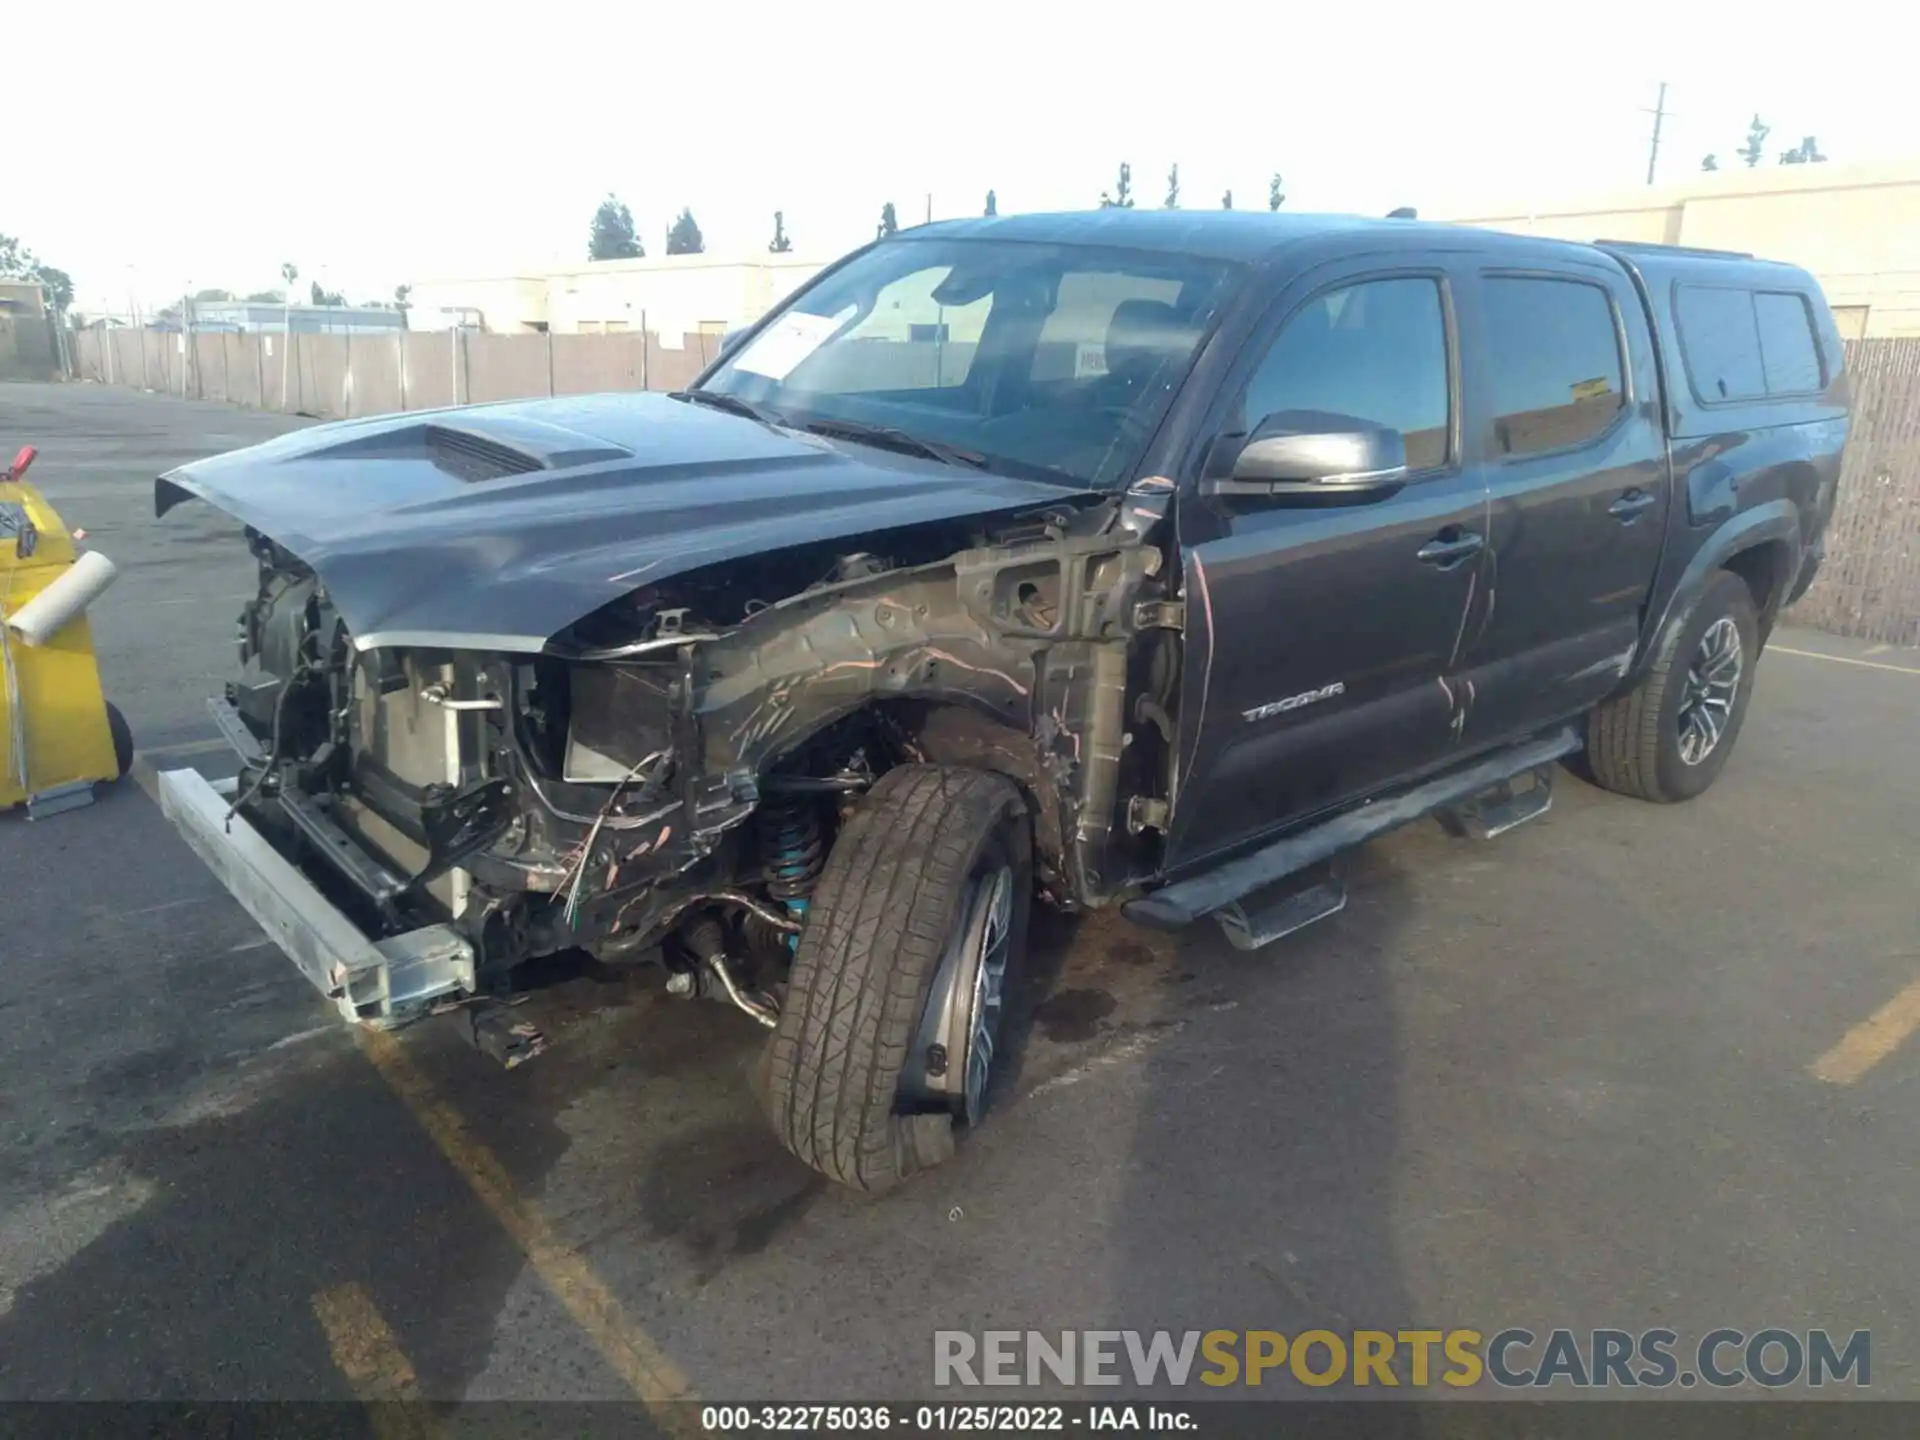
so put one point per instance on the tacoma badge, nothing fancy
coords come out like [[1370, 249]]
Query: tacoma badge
[[1294, 702]]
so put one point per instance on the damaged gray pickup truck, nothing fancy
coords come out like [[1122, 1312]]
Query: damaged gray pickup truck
[[1143, 559]]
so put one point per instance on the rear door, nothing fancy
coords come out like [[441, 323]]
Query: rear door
[[1563, 420], [1318, 638]]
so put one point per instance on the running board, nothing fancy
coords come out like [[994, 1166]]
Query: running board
[[1496, 810], [1184, 901]]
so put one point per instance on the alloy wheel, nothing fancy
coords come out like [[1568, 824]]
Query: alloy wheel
[[1712, 684]]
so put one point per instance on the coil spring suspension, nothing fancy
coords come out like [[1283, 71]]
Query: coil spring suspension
[[793, 851]]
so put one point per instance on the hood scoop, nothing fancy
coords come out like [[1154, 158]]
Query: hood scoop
[[478, 446], [470, 457]]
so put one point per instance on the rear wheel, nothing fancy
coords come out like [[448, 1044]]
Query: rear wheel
[[122, 741], [890, 1033], [1668, 738]]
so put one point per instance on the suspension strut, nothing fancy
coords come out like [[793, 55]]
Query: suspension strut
[[793, 851]]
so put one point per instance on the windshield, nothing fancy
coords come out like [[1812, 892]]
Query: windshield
[[1052, 361]]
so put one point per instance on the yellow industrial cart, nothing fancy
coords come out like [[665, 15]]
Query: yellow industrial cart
[[58, 735]]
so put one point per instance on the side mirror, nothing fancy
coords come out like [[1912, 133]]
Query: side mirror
[[1311, 455]]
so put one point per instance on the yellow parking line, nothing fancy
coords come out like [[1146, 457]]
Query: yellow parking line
[[366, 1352], [1843, 660], [1872, 1040], [621, 1342]]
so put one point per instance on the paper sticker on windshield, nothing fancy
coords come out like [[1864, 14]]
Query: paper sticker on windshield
[[1592, 389], [785, 343]]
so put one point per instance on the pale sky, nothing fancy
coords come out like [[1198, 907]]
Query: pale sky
[[205, 141]]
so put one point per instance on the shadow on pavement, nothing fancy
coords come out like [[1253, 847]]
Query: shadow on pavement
[[1262, 1176]]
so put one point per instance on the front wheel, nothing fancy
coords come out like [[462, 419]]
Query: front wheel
[[891, 1026], [1668, 738]]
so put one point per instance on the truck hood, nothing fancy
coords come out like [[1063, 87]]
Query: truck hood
[[497, 526]]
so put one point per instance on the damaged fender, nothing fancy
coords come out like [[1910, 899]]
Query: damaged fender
[[1014, 657]]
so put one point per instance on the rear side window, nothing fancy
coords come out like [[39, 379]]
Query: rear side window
[[1746, 345], [1553, 353], [1788, 352]]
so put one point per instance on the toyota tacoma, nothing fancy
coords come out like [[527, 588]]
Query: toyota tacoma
[[1150, 560]]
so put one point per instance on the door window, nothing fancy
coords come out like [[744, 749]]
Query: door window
[[1377, 351], [1553, 363]]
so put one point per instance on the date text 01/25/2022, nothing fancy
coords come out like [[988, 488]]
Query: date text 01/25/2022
[[942, 1419]]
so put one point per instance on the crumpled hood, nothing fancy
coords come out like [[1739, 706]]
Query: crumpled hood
[[497, 526]]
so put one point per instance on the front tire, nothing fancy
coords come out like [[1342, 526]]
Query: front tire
[[1669, 737], [918, 921]]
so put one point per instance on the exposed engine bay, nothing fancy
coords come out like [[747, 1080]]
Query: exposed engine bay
[[666, 777]]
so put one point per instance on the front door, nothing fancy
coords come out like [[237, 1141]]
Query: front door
[[1568, 430], [1319, 640]]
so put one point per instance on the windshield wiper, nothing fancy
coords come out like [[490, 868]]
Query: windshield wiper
[[732, 404], [892, 438]]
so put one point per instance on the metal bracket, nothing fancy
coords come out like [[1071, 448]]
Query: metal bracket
[[1160, 615], [1147, 813], [456, 824]]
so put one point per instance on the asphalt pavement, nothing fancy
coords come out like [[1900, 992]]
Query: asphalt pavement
[[1608, 1070]]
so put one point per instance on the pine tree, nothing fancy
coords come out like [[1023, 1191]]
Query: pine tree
[[685, 237], [612, 236]]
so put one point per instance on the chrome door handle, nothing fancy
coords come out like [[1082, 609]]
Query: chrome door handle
[[1631, 506], [1450, 547]]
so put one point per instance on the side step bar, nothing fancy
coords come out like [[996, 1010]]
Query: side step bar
[[1257, 920], [1185, 901], [1498, 809], [377, 982]]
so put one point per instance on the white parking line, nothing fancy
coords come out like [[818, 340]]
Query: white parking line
[[1843, 660]]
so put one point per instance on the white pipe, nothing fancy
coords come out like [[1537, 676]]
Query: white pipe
[[43, 617]]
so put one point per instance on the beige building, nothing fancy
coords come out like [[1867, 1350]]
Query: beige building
[[670, 295], [1856, 228]]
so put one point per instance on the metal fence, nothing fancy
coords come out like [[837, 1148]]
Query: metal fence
[[1869, 586], [340, 376]]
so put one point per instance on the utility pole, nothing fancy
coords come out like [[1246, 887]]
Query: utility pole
[[1659, 113]]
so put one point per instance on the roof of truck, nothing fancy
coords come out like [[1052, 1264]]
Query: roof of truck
[[1658, 264], [1244, 235]]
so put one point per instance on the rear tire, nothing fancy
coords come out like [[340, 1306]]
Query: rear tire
[[845, 1070], [1668, 738], [122, 734]]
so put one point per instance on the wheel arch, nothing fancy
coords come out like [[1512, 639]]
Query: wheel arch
[[971, 733], [1761, 545]]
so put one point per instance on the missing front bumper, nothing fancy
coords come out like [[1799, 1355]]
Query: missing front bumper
[[378, 982]]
